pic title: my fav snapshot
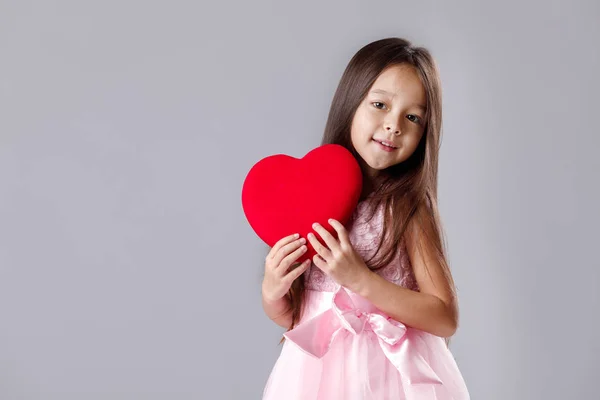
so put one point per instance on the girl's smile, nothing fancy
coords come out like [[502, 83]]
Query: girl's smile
[[384, 147]]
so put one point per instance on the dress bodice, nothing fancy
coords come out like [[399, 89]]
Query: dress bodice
[[364, 236]]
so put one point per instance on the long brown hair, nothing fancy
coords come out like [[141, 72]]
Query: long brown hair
[[408, 189]]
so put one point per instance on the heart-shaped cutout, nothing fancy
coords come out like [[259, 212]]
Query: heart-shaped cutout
[[282, 195]]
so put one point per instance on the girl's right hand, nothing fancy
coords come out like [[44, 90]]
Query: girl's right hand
[[278, 278]]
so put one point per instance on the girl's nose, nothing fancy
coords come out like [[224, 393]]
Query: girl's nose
[[388, 128]]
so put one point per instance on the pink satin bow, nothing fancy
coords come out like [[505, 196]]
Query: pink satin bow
[[316, 335]]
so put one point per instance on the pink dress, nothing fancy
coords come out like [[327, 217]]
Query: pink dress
[[345, 348]]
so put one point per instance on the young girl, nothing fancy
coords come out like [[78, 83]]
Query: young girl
[[370, 316]]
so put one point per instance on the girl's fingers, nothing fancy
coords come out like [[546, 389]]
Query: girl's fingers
[[282, 242], [327, 237], [296, 272], [285, 264], [321, 250], [286, 251], [341, 230]]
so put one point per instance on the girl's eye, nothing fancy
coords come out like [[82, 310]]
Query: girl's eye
[[418, 121]]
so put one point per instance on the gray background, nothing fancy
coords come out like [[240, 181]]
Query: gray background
[[127, 268]]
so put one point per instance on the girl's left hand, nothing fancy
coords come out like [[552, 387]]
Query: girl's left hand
[[339, 260]]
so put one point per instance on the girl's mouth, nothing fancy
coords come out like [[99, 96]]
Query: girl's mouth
[[384, 147]]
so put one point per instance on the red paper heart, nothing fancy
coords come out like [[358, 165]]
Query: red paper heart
[[282, 195]]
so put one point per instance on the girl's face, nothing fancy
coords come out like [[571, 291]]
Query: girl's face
[[393, 110]]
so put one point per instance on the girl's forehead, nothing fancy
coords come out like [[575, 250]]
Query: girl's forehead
[[397, 76], [400, 81]]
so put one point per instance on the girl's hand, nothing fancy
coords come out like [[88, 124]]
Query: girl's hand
[[278, 278], [339, 260]]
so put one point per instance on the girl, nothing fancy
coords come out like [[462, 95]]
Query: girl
[[370, 316]]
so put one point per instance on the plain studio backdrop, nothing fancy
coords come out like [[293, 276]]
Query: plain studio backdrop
[[127, 267]]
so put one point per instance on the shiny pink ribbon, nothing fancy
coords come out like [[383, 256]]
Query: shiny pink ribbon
[[316, 335]]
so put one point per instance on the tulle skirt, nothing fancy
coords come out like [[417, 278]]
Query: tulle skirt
[[345, 348]]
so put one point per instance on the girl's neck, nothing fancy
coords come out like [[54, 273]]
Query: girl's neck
[[367, 189]]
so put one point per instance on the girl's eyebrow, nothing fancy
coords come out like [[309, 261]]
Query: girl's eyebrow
[[421, 106]]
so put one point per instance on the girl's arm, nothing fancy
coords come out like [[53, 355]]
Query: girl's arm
[[419, 310], [279, 311], [434, 308]]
